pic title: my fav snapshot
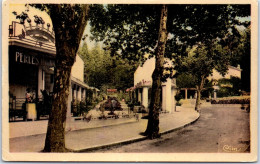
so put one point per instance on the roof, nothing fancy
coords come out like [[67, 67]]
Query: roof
[[111, 90], [80, 83], [235, 68], [33, 37]]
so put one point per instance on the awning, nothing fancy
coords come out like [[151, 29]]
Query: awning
[[80, 83]]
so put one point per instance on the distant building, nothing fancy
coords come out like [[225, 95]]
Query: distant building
[[111, 91], [143, 84], [232, 71]]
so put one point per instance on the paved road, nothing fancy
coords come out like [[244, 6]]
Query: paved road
[[219, 129]]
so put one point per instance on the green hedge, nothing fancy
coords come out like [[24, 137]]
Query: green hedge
[[231, 101]]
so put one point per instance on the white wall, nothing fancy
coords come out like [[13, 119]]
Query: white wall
[[77, 70], [232, 71], [145, 72]]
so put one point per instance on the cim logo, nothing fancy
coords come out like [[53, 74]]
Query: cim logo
[[28, 59]]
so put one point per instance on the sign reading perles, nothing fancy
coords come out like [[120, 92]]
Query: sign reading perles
[[27, 59]]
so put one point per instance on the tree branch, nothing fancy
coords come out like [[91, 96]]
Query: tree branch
[[81, 24]]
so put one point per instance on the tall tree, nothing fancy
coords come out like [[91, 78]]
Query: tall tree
[[127, 36], [131, 31], [69, 22], [201, 61], [152, 130]]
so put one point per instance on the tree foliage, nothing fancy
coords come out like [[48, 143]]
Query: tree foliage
[[103, 71], [209, 39], [185, 80], [229, 87], [245, 60], [128, 31]]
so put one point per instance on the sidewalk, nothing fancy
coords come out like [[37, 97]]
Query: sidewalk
[[28, 128], [109, 132]]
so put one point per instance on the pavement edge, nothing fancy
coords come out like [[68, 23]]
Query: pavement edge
[[132, 140]]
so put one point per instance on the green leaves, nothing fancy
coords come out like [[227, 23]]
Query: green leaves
[[104, 71], [129, 31], [185, 80], [210, 32]]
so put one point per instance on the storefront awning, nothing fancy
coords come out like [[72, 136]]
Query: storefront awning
[[80, 83]]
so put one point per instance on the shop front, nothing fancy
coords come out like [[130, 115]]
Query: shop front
[[32, 56], [31, 72]]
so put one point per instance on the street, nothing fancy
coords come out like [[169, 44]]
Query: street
[[219, 129]]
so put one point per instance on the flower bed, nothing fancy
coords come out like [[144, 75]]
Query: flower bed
[[108, 105]]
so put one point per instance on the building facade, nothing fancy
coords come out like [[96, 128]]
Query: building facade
[[143, 84], [190, 93], [232, 72], [32, 56]]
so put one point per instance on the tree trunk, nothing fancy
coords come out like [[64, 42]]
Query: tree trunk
[[199, 89], [55, 137], [67, 40], [197, 105], [152, 130]]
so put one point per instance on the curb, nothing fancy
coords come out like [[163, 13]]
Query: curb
[[110, 145], [141, 138], [102, 126], [172, 130], [68, 131]]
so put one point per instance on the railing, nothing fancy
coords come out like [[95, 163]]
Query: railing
[[17, 109], [16, 103], [33, 43]]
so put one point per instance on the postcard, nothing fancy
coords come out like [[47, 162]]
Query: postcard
[[130, 81]]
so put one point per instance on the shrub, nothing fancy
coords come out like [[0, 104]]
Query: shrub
[[142, 109], [224, 92], [137, 103], [108, 104], [178, 97], [178, 103], [231, 101]]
